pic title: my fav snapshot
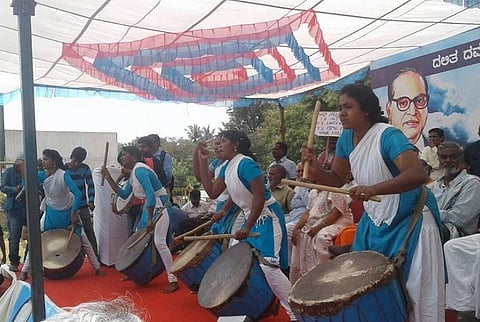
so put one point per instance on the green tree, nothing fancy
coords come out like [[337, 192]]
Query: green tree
[[194, 132], [247, 119]]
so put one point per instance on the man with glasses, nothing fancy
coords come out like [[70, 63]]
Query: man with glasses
[[456, 193], [407, 106]]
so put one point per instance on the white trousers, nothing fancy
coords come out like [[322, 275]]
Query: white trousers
[[160, 240]]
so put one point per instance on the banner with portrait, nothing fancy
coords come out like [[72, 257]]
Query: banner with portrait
[[435, 86]]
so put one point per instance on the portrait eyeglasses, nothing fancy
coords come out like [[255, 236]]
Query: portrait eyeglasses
[[403, 103]]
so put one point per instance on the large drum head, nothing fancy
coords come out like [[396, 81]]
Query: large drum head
[[132, 249], [192, 255], [331, 286], [57, 251], [119, 205], [225, 276]]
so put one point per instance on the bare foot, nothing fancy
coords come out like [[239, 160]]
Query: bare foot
[[99, 272], [172, 287]]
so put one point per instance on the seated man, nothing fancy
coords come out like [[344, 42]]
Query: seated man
[[456, 193], [281, 192], [196, 210], [462, 258]]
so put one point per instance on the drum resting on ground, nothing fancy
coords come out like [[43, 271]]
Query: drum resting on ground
[[62, 253], [357, 286]]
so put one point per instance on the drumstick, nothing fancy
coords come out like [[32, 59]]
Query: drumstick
[[219, 236], [145, 233], [311, 136], [323, 188], [105, 162], [193, 231], [71, 234]]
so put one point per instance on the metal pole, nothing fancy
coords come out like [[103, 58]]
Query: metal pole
[[2, 132], [24, 9], [281, 130]]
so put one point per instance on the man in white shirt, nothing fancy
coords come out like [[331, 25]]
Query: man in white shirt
[[195, 207], [436, 136], [279, 153], [456, 193]]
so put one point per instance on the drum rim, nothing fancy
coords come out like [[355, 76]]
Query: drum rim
[[330, 307], [75, 245], [121, 262], [196, 255], [241, 273], [116, 198]]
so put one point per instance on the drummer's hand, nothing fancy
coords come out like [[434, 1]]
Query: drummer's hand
[[105, 172], [202, 150], [74, 218], [218, 215], [150, 226], [242, 233], [361, 192], [308, 154]]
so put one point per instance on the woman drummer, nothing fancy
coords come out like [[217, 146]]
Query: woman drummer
[[383, 162], [243, 179], [60, 205], [145, 184], [226, 211]]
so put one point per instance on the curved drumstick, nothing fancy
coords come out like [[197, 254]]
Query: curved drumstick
[[145, 233], [219, 236], [311, 136], [323, 188], [193, 231]]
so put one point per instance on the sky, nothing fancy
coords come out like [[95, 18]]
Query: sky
[[129, 119]]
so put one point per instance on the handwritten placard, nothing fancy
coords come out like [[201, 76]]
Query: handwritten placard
[[328, 124]]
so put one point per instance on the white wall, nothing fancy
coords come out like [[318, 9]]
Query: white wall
[[64, 142]]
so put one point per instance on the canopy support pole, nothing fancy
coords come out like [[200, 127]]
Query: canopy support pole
[[24, 10], [282, 122]]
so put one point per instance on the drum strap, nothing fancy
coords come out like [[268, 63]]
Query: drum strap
[[399, 259], [262, 259]]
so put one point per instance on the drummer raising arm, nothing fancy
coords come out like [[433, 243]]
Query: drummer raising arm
[[145, 184]]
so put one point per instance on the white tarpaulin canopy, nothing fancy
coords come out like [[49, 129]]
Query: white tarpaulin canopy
[[218, 50]]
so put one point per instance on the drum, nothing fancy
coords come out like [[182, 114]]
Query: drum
[[62, 257], [139, 259], [194, 261], [119, 205], [235, 285], [356, 286]]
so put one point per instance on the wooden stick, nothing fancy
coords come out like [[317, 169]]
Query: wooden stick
[[323, 188], [193, 231], [311, 136], [219, 236], [71, 235], [105, 161], [145, 233]]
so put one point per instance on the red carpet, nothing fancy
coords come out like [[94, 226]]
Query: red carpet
[[178, 306]]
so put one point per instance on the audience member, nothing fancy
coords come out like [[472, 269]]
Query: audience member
[[326, 215], [472, 157], [120, 309], [166, 165], [197, 211], [298, 205], [15, 207], [456, 193], [279, 153], [82, 176], [280, 191], [436, 136], [462, 257], [328, 155]]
